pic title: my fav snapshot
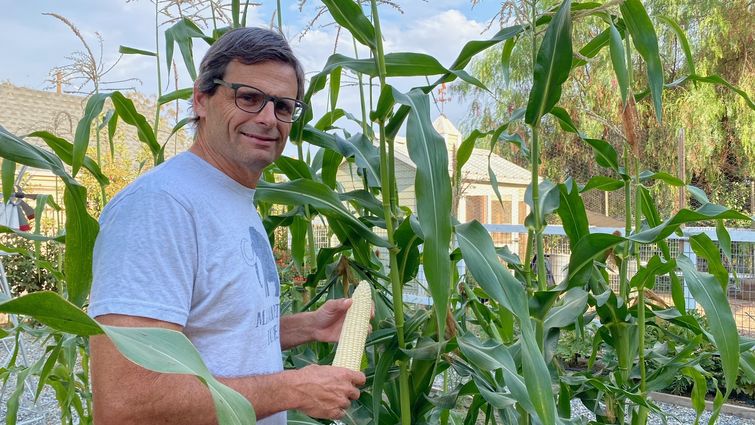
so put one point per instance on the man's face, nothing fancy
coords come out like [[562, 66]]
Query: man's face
[[239, 143]]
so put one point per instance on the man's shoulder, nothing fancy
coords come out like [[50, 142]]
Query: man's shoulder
[[176, 178]]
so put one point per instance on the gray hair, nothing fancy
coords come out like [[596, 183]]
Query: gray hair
[[248, 46]]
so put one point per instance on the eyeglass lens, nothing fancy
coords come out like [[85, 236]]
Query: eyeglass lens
[[253, 100]]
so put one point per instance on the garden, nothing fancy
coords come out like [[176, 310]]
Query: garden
[[503, 339]]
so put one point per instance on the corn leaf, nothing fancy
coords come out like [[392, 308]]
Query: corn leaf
[[125, 50], [318, 195], [618, 60], [482, 261], [181, 33], [182, 94], [508, 48], [572, 305], [708, 292], [646, 42], [83, 128], [167, 351], [432, 185], [350, 16], [682, 41], [706, 212], [8, 179], [552, 66], [81, 231], [128, 113], [64, 150], [571, 209], [603, 183]]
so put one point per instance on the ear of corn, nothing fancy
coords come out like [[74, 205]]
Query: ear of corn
[[355, 327]]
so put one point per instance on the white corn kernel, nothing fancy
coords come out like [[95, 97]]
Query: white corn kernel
[[356, 324]]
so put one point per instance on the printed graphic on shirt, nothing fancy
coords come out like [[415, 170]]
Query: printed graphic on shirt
[[256, 253]]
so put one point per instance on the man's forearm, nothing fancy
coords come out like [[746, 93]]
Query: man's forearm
[[296, 329], [160, 402]]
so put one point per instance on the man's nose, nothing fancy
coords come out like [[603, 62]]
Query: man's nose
[[267, 115]]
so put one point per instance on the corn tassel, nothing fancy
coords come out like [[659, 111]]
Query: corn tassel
[[355, 327]]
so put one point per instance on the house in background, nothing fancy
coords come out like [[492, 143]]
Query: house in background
[[24, 110], [476, 198]]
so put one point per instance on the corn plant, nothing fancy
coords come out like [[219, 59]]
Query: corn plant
[[503, 347]]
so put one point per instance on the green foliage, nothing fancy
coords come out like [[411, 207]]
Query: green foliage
[[504, 351], [27, 272]]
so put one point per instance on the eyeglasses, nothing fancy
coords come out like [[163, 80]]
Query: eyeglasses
[[253, 100]]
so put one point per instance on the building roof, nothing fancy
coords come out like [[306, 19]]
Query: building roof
[[476, 168], [24, 110]]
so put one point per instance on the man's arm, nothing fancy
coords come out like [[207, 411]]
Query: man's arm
[[125, 393]]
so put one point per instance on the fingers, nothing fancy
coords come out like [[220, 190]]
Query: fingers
[[358, 378]]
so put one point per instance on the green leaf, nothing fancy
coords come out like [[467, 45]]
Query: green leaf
[[707, 291], [552, 66], [297, 418], [22, 152], [167, 351], [83, 128], [182, 94], [482, 261], [318, 195], [682, 40], [427, 149], [335, 87], [491, 356], [618, 60], [646, 42], [662, 176], [472, 48], [408, 255], [8, 179], [508, 48], [589, 248], [698, 194], [571, 209], [54, 311], [293, 168], [124, 50], [128, 113], [349, 15], [366, 156], [549, 200], [64, 150], [81, 232], [603, 183], [724, 239], [182, 32], [699, 390], [572, 305], [605, 154], [565, 121], [645, 276], [704, 247], [706, 212]]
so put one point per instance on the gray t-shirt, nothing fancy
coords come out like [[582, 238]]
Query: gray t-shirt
[[184, 244]]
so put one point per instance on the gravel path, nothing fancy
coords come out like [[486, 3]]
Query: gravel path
[[46, 411]]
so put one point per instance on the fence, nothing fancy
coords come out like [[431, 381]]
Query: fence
[[741, 288]]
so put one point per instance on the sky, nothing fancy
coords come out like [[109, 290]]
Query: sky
[[36, 43]]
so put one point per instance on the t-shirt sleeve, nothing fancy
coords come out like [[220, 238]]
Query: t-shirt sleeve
[[145, 258]]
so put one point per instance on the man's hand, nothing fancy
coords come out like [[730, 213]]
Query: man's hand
[[323, 324], [326, 391], [328, 320]]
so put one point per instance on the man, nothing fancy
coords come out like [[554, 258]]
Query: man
[[183, 248]]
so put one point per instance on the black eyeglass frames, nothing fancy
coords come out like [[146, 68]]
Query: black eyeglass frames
[[253, 100]]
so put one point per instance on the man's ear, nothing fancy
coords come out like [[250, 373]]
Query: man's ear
[[199, 101]]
